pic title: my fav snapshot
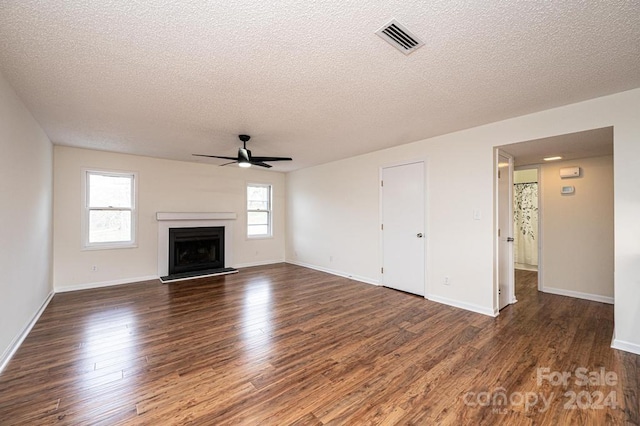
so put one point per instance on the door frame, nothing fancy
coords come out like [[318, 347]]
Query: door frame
[[511, 285], [424, 223]]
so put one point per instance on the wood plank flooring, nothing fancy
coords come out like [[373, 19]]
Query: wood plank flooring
[[283, 345]]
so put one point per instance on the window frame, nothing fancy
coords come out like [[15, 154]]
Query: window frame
[[133, 242], [269, 211]]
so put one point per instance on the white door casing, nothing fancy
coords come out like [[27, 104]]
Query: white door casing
[[402, 228]]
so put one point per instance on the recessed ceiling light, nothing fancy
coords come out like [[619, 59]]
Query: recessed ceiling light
[[552, 158]]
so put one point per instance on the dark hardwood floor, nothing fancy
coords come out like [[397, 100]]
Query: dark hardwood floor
[[284, 345]]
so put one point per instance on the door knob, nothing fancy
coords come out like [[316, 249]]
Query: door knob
[[509, 239], [419, 235]]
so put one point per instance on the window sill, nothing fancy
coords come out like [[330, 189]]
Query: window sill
[[109, 246], [260, 237]]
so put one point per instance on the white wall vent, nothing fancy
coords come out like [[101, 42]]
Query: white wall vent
[[400, 37]]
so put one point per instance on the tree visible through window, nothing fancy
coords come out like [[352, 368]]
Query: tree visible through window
[[258, 210], [110, 204]]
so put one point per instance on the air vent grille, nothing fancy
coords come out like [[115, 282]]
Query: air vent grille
[[400, 37]]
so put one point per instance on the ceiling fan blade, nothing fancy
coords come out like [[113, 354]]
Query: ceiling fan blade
[[261, 164], [215, 156], [271, 159], [226, 164]]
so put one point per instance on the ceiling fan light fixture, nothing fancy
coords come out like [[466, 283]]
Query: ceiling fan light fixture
[[245, 159]]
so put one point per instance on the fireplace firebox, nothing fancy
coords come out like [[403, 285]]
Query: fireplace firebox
[[196, 249]]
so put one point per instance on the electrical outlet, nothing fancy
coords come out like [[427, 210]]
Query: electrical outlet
[[94, 268], [330, 258], [446, 281]]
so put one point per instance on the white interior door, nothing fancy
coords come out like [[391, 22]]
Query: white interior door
[[403, 242], [505, 230]]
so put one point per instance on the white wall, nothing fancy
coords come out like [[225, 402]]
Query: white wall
[[334, 215], [460, 178], [577, 230], [163, 186], [25, 218]]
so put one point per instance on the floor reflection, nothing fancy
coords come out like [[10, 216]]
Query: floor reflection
[[109, 351], [257, 322]]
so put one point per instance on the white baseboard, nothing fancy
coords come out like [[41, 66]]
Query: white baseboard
[[261, 263], [87, 286], [634, 348], [334, 272], [463, 305], [17, 341], [578, 295]]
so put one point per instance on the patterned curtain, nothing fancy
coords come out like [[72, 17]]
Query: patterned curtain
[[525, 217]]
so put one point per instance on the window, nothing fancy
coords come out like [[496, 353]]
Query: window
[[258, 210], [109, 209]]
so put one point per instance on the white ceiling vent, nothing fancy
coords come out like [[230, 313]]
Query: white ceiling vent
[[400, 37]]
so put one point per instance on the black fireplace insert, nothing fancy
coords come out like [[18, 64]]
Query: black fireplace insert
[[196, 249]]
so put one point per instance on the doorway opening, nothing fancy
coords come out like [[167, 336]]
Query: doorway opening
[[569, 237], [526, 234]]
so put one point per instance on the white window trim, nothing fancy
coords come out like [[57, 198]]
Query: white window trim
[[247, 211], [86, 245]]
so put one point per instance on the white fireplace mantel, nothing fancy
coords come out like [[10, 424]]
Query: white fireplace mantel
[[196, 216], [167, 220]]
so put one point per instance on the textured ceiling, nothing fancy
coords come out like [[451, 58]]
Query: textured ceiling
[[306, 79]]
